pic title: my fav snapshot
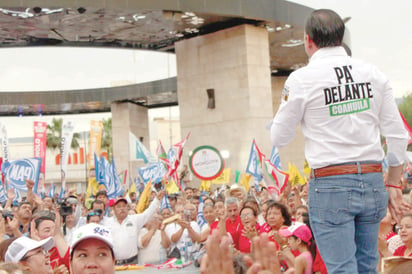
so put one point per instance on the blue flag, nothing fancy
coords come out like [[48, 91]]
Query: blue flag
[[99, 169], [201, 221], [51, 191], [113, 187], [154, 172], [16, 172], [275, 158], [254, 165], [164, 203], [3, 195]]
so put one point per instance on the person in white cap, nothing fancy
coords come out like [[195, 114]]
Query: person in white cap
[[31, 255], [92, 250]]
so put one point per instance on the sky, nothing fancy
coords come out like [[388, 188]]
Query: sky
[[379, 33]]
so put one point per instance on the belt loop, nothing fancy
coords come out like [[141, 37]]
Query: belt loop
[[359, 167], [312, 173]]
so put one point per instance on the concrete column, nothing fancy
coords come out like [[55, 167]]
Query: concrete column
[[128, 117], [235, 63]]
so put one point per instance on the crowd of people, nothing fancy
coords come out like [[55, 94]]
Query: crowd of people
[[76, 235], [335, 223]]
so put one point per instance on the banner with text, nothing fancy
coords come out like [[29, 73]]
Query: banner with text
[[67, 136], [39, 140], [95, 142]]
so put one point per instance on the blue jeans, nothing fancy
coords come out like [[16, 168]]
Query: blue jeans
[[345, 213]]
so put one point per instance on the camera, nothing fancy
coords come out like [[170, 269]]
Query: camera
[[186, 215], [8, 214], [65, 209]]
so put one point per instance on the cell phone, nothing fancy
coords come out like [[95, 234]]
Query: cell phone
[[187, 214]]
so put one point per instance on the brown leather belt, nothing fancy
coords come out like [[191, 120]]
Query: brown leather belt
[[346, 169]]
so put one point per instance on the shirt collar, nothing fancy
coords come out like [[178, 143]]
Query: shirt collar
[[327, 52]]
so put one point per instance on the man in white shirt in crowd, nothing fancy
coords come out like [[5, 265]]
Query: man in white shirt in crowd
[[185, 233], [153, 242], [125, 228]]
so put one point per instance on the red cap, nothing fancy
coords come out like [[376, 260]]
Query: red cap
[[119, 199]]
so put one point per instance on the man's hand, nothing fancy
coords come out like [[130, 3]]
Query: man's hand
[[218, 258], [11, 195], [265, 257], [397, 205], [160, 195], [29, 183]]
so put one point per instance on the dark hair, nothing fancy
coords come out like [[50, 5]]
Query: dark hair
[[253, 201], [208, 198], [24, 203], [251, 208], [101, 192], [98, 202], [325, 28], [284, 211], [40, 219], [49, 197]]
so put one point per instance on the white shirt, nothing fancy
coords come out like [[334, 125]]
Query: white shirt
[[154, 252], [125, 235], [185, 240], [343, 106]]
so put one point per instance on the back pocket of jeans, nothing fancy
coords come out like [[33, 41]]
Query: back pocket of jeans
[[330, 205]]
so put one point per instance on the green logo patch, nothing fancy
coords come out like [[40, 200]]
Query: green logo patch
[[349, 107]]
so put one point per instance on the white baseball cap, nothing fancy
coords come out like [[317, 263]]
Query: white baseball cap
[[89, 231], [19, 248]]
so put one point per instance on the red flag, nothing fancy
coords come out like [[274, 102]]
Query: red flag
[[407, 127], [173, 158]]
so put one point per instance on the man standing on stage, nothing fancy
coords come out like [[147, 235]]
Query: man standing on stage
[[344, 106]]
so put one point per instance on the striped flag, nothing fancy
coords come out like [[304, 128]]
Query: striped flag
[[164, 203], [173, 160], [254, 165], [201, 220], [274, 178], [52, 190], [275, 157], [3, 195]]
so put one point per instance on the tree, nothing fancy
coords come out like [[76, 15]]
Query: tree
[[54, 136], [107, 144], [405, 107]]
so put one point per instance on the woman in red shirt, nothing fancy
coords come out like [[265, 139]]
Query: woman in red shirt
[[405, 232], [248, 217], [277, 217]]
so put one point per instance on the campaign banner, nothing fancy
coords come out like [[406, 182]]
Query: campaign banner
[[67, 136], [4, 142], [16, 172], [95, 142], [39, 140], [154, 172]]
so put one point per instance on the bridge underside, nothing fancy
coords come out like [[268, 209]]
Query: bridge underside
[[151, 25]]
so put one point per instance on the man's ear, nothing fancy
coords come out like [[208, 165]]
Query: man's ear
[[23, 265]]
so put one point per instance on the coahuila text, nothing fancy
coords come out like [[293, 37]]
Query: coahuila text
[[351, 96]]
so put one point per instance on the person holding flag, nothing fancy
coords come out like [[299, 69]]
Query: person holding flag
[[344, 106]]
